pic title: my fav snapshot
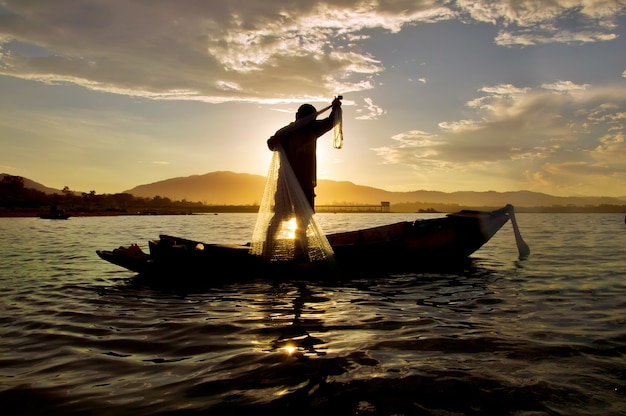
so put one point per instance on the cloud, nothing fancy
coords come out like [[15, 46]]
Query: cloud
[[611, 149], [565, 86], [212, 51], [560, 128], [370, 112], [532, 22], [416, 149], [220, 51]]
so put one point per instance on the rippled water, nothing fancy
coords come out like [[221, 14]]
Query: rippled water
[[541, 336]]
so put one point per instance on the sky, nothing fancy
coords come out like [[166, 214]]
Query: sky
[[464, 95]]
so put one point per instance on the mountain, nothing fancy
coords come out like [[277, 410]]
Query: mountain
[[35, 185], [230, 188], [216, 188]]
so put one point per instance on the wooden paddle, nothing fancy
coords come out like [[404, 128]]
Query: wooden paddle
[[522, 247]]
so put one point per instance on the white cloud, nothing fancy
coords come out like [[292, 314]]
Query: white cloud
[[565, 86], [250, 50], [211, 51], [534, 22], [559, 129], [370, 112]]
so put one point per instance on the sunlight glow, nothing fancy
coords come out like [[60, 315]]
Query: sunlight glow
[[290, 349], [290, 228]]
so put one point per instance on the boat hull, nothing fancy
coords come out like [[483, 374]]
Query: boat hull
[[395, 247], [54, 216]]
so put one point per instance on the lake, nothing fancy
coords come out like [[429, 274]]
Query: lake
[[541, 336]]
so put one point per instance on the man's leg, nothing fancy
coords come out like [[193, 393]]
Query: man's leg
[[302, 224], [282, 210]]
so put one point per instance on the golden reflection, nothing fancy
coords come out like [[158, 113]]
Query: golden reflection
[[289, 348], [293, 338], [290, 228]]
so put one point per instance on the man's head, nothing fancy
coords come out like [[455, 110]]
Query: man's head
[[305, 110]]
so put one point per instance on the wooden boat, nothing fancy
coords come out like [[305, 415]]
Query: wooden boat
[[400, 246], [55, 214]]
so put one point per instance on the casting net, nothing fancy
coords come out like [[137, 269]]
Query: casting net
[[338, 129], [286, 227]]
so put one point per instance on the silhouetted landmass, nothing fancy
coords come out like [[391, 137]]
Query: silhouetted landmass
[[235, 192], [16, 199], [246, 189], [217, 188]]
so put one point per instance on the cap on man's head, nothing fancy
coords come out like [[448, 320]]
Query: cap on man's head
[[305, 110]]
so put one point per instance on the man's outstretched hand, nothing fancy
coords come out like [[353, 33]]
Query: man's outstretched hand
[[272, 142]]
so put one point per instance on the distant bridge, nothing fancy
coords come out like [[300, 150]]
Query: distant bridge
[[383, 207]]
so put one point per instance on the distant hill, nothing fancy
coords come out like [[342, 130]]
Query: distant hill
[[216, 188], [229, 188], [35, 185]]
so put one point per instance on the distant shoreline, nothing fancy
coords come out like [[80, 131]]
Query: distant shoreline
[[25, 213], [17, 214]]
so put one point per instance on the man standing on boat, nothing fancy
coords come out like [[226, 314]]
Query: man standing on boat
[[298, 143]]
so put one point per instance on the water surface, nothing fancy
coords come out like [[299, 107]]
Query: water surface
[[540, 336]]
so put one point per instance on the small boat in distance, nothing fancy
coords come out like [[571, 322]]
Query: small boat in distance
[[55, 214], [402, 246]]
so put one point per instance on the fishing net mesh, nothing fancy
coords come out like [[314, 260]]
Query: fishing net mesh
[[286, 227], [338, 129]]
